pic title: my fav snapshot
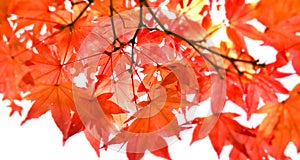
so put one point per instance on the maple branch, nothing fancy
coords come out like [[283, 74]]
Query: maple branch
[[232, 60], [111, 9], [76, 3], [190, 42], [133, 39], [195, 44], [82, 12], [116, 38], [70, 25], [133, 42]]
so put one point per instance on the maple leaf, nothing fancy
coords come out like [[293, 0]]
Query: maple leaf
[[96, 111], [94, 142], [284, 17], [52, 89], [151, 77], [238, 13], [226, 131], [177, 78], [6, 29], [261, 87], [15, 108], [101, 7], [253, 87], [272, 68], [109, 107], [3, 10], [98, 114], [13, 56], [272, 13], [234, 90], [75, 126], [255, 150], [281, 123], [145, 36], [33, 9], [154, 120], [72, 33], [111, 63], [199, 67], [287, 43], [283, 41], [55, 97], [138, 145], [40, 40], [34, 12], [295, 57], [50, 66], [157, 113]]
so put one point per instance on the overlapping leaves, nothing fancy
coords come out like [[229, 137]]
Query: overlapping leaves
[[40, 40]]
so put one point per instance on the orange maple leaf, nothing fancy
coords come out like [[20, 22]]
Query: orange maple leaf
[[281, 123], [55, 97], [101, 7], [3, 10], [226, 130], [154, 119], [34, 12], [282, 21], [238, 13], [13, 55], [52, 89], [271, 13], [254, 87]]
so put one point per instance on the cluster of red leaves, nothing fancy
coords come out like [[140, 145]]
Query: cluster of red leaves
[[40, 39], [247, 85]]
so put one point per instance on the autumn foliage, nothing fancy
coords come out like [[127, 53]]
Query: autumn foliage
[[130, 73]]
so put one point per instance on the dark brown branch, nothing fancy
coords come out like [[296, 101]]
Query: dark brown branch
[[70, 25], [195, 44]]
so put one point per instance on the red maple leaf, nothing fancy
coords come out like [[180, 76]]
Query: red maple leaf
[[281, 123], [282, 25], [253, 87], [226, 131], [34, 12], [13, 56], [52, 89], [238, 13]]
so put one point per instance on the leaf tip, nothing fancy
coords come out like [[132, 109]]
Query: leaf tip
[[15, 108], [25, 120], [64, 140], [22, 123]]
